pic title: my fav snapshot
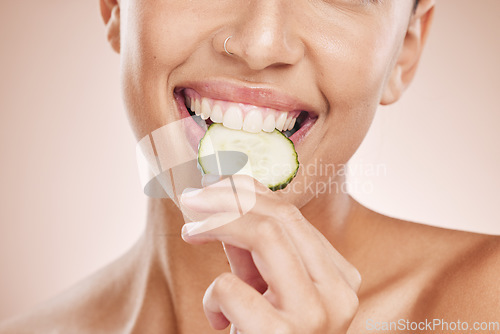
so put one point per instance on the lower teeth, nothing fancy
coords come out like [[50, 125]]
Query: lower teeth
[[198, 119]]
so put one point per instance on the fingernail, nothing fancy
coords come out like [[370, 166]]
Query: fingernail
[[190, 192], [190, 229]]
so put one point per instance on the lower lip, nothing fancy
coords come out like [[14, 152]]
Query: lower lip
[[302, 133], [195, 132]]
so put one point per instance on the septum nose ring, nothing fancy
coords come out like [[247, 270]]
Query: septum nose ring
[[225, 46]]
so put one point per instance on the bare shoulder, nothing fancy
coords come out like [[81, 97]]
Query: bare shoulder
[[98, 304], [452, 272], [460, 274], [463, 281], [468, 287], [52, 317]]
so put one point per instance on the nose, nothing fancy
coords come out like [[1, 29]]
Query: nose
[[263, 35]]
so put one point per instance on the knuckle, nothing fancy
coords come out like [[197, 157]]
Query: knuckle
[[282, 327], [269, 228], [291, 215], [318, 318], [343, 310], [346, 315], [352, 276], [356, 279], [351, 304], [224, 282], [288, 211]]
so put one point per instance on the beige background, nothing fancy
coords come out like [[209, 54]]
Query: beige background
[[70, 199]]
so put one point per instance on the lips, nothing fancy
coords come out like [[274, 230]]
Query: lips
[[242, 108]]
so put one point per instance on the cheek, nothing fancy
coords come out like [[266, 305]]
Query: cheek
[[157, 37], [354, 66], [353, 62], [166, 31]]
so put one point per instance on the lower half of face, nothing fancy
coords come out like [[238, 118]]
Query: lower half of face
[[314, 68]]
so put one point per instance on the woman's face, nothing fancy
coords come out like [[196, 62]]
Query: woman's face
[[332, 59]]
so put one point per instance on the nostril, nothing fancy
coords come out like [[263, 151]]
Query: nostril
[[264, 40]]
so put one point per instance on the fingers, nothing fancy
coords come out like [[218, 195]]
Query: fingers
[[348, 271], [308, 240], [273, 253], [242, 265], [231, 194], [223, 302], [281, 264]]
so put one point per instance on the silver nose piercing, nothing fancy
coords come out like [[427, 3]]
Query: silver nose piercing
[[225, 46]]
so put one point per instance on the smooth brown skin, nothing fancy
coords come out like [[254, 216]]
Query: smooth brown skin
[[350, 57]]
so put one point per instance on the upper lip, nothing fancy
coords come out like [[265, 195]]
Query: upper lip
[[257, 95]]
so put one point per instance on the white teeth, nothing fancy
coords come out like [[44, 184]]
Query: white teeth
[[253, 122], [205, 109], [233, 118], [197, 107], [287, 123], [193, 104], [216, 115], [280, 122], [269, 123]]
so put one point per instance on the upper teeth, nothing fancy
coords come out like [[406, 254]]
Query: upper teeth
[[241, 116]]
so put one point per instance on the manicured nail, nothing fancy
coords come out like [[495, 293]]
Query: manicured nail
[[210, 223], [190, 229]]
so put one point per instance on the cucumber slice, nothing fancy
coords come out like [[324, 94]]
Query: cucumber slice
[[269, 157]]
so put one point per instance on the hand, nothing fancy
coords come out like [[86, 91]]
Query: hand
[[286, 277]]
